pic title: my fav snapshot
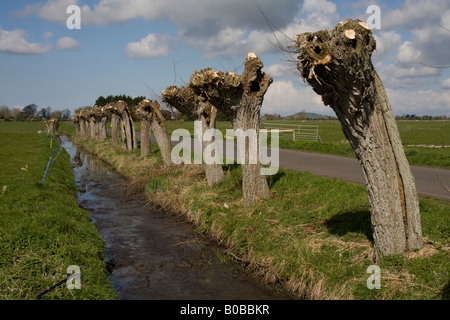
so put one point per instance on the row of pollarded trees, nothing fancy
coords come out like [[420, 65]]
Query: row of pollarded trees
[[337, 64], [93, 123]]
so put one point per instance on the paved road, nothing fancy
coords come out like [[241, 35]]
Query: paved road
[[348, 169]]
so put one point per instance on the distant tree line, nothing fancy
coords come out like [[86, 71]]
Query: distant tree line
[[32, 112], [416, 117], [169, 113], [303, 115]]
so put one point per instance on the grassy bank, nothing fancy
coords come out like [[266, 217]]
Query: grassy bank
[[42, 229], [313, 236]]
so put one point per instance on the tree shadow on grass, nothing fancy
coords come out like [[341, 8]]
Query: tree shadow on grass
[[446, 292], [354, 221], [272, 180]]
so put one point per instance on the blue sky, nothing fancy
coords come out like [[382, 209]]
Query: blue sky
[[140, 47]]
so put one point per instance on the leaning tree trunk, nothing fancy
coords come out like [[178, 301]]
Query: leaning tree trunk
[[241, 98], [150, 110], [337, 64], [93, 127], [146, 146], [207, 114], [76, 122], [187, 102], [82, 127], [114, 129], [128, 131]]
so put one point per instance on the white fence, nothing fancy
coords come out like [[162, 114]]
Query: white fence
[[294, 131]]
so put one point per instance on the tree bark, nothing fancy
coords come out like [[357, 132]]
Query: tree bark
[[114, 129], [337, 64], [93, 127], [128, 132], [145, 137], [150, 110], [187, 102], [240, 97], [82, 127]]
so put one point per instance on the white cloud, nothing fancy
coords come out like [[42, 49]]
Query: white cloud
[[152, 46], [414, 76], [420, 102], [67, 43], [276, 70], [407, 54], [446, 84], [48, 35], [319, 6], [415, 14], [15, 42], [387, 42], [284, 98]]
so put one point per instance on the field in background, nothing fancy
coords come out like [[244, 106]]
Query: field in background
[[415, 133]]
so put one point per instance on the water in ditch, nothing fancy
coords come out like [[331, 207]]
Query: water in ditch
[[154, 255]]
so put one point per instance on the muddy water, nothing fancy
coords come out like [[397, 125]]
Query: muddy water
[[154, 255]]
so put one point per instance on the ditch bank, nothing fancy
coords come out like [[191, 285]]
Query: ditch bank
[[151, 253]]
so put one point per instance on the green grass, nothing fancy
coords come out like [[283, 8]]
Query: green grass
[[313, 236], [42, 229], [334, 141]]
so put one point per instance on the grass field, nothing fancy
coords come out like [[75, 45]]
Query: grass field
[[313, 235], [334, 142], [413, 133], [42, 229]]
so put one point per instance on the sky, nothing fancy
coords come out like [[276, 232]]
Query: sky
[[140, 47]]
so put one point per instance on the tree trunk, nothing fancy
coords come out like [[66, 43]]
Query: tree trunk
[[214, 172], [145, 138], [82, 127], [193, 106], [254, 184], [241, 98], [103, 128], [114, 129], [93, 128], [150, 110], [337, 64], [128, 132]]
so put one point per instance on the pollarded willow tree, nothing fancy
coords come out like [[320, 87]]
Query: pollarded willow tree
[[187, 102], [115, 120], [82, 119], [337, 64], [240, 97], [150, 110], [127, 125], [100, 118], [52, 125]]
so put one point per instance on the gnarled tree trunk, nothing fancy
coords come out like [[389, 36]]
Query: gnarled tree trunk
[[146, 146], [240, 97], [115, 129], [337, 64], [128, 132], [150, 110], [187, 102]]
